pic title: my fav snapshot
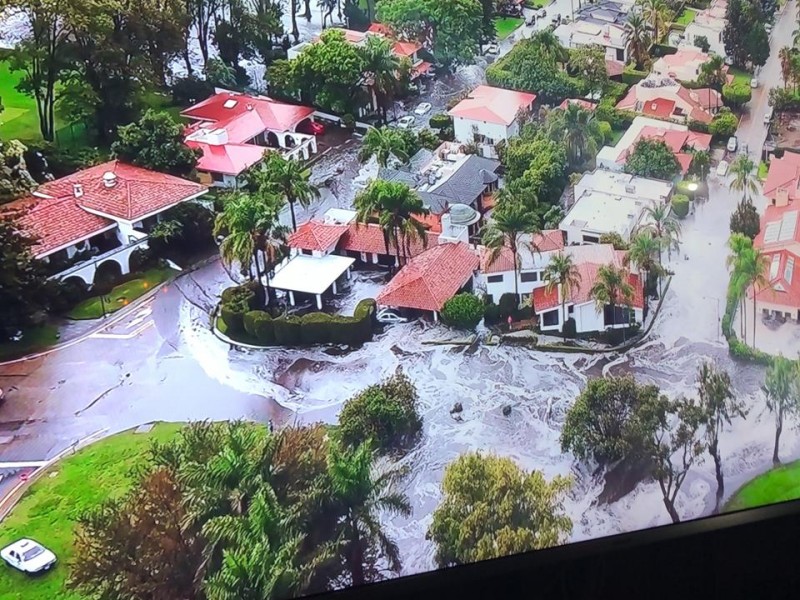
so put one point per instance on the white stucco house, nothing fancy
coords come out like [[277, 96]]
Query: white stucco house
[[96, 218], [709, 25], [489, 114], [608, 201]]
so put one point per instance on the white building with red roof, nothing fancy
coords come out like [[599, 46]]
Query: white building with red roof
[[99, 215], [489, 114], [684, 65], [533, 255], [580, 305], [664, 98], [677, 137], [234, 130], [783, 179]]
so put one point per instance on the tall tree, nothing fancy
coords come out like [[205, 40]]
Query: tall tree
[[643, 252], [202, 14], [562, 274], [745, 219], [739, 245], [393, 205], [15, 179], [287, 179], [166, 29], [383, 143], [511, 228], [713, 73], [359, 494], [781, 389], [785, 56], [720, 406], [753, 270], [589, 64], [745, 176], [657, 15], [491, 508], [664, 225], [155, 142], [612, 288], [637, 38], [380, 66], [578, 130]]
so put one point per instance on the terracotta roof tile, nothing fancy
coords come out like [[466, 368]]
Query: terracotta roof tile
[[582, 294], [547, 241], [431, 278], [783, 173], [368, 237], [492, 105], [313, 235]]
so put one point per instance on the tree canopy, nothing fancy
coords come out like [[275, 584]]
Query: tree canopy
[[652, 158]]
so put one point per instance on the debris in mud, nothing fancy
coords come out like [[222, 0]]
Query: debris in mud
[[457, 408], [506, 410]]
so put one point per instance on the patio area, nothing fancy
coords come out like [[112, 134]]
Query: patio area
[[772, 336]]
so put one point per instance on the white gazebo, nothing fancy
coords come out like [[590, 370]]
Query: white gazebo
[[310, 275]]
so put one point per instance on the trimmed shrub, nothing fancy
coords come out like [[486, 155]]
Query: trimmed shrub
[[385, 413], [631, 76], [263, 327], [463, 311], [249, 321], [287, 331], [349, 121], [440, 121], [491, 313], [680, 205], [736, 94], [508, 305], [698, 126], [604, 127], [236, 301], [570, 328], [315, 328], [724, 124]]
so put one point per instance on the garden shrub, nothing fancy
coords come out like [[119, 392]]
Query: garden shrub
[[724, 124], [249, 321], [491, 313], [570, 328], [385, 413], [440, 121], [263, 328], [349, 121], [315, 328], [236, 301], [287, 330], [508, 305], [680, 205], [604, 127], [631, 76], [463, 311]]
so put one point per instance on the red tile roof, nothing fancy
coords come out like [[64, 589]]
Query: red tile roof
[[136, 194], [313, 235], [368, 238], [547, 241], [784, 173], [674, 139], [420, 69], [661, 108], [615, 68], [695, 104], [406, 48], [584, 104], [431, 278], [582, 294], [783, 291], [775, 216], [228, 159], [492, 105], [379, 28], [432, 221], [56, 222]]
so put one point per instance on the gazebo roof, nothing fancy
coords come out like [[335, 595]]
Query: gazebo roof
[[310, 274]]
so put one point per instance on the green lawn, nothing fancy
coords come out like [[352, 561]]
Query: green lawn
[[506, 26], [763, 169], [537, 3], [686, 17], [122, 295], [776, 485], [740, 76], [32, 341], [48, 510], [616, 136]]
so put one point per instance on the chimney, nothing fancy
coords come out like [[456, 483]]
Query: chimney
[[109, 179], [781, 197], [249, 106], [446, 226], [77, 190]]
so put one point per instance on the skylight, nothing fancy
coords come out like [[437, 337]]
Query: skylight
[[771, 232], [230, 103], [788, 224]]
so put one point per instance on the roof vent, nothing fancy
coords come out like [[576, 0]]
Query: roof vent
[[249, 106], [230, 103], [653, 106], [630, 189], [109, 179], [77, 190]]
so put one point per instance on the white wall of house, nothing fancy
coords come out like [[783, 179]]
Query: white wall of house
[[587, 318], [713, 34], [584, 235], [497, 284], [464, 132]]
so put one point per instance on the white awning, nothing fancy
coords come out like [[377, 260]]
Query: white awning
[[310, 274]]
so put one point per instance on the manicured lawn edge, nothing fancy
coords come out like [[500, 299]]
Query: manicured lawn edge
[[48, 509], [32, 341], [121, 296], [776, 485], [506, 26]]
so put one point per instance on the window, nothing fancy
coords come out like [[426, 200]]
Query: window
[[591, 239], [550, 318], [307, 252], [621, 315], [529, 276], [495, 279], [217, 177], [571, 309]]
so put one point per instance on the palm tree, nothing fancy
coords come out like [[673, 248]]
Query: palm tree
[[644, 248], [562, 274], [394, 205], [720, 407], [272, 244], [577, 129], [286, 178], [360, 495], [381, 65], [785, 56], [612, 288], [657, 15], [780, 386], [243, 221], [738, 244], [745, 174], [664, 226], [713, 73], [753, 269], [512, 226], [637, 38], [382, 143]]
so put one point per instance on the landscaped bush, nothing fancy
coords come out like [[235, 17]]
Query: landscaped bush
[[508, 305], [491, 313], [236, 301], [724, 124], [631, 76], [680, 205], [315, 328], [287, 331], [440, 121], [349, 121], [604, 127], [385, 413], [736, 94], [570, 328], [463, 311]]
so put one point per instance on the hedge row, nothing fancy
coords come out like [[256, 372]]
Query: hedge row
[[236, 311]]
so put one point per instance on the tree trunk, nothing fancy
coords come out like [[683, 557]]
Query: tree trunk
[[355, 559], [563, 315], [671, 510], [307, 14], [516, 278], [291, 209], [778, 430], [187, 61], [754, 317], [714, 451]]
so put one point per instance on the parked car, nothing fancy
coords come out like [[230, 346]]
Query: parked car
[[406, 122], [389, 317], [422, 108], [542, 13], [732, 144], [531, 21], [492, 49], [28, 556], [768, 28], [722, 168], [311, 127], [768, 116], [754, 82]]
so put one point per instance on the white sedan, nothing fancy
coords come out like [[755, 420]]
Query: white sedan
[[406, 122], [492, 49], [28, 556], [422, 108], [389, 317], [722, 168]]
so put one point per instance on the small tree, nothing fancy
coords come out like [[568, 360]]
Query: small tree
[[782, 389], [463, 311], [745, 219], [615, 239], [155, 142], [736, 94], [492, 508], [724, 124], [385, 413], [680, 205], [652, 158], [701, 41]]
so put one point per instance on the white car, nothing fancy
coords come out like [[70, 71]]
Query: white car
[[732, 143], [389, 317], [542, 13], [492, 49], [405, 122], [768, 116], [754, 82], [722, 168], [422, 108], [28, 556]]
